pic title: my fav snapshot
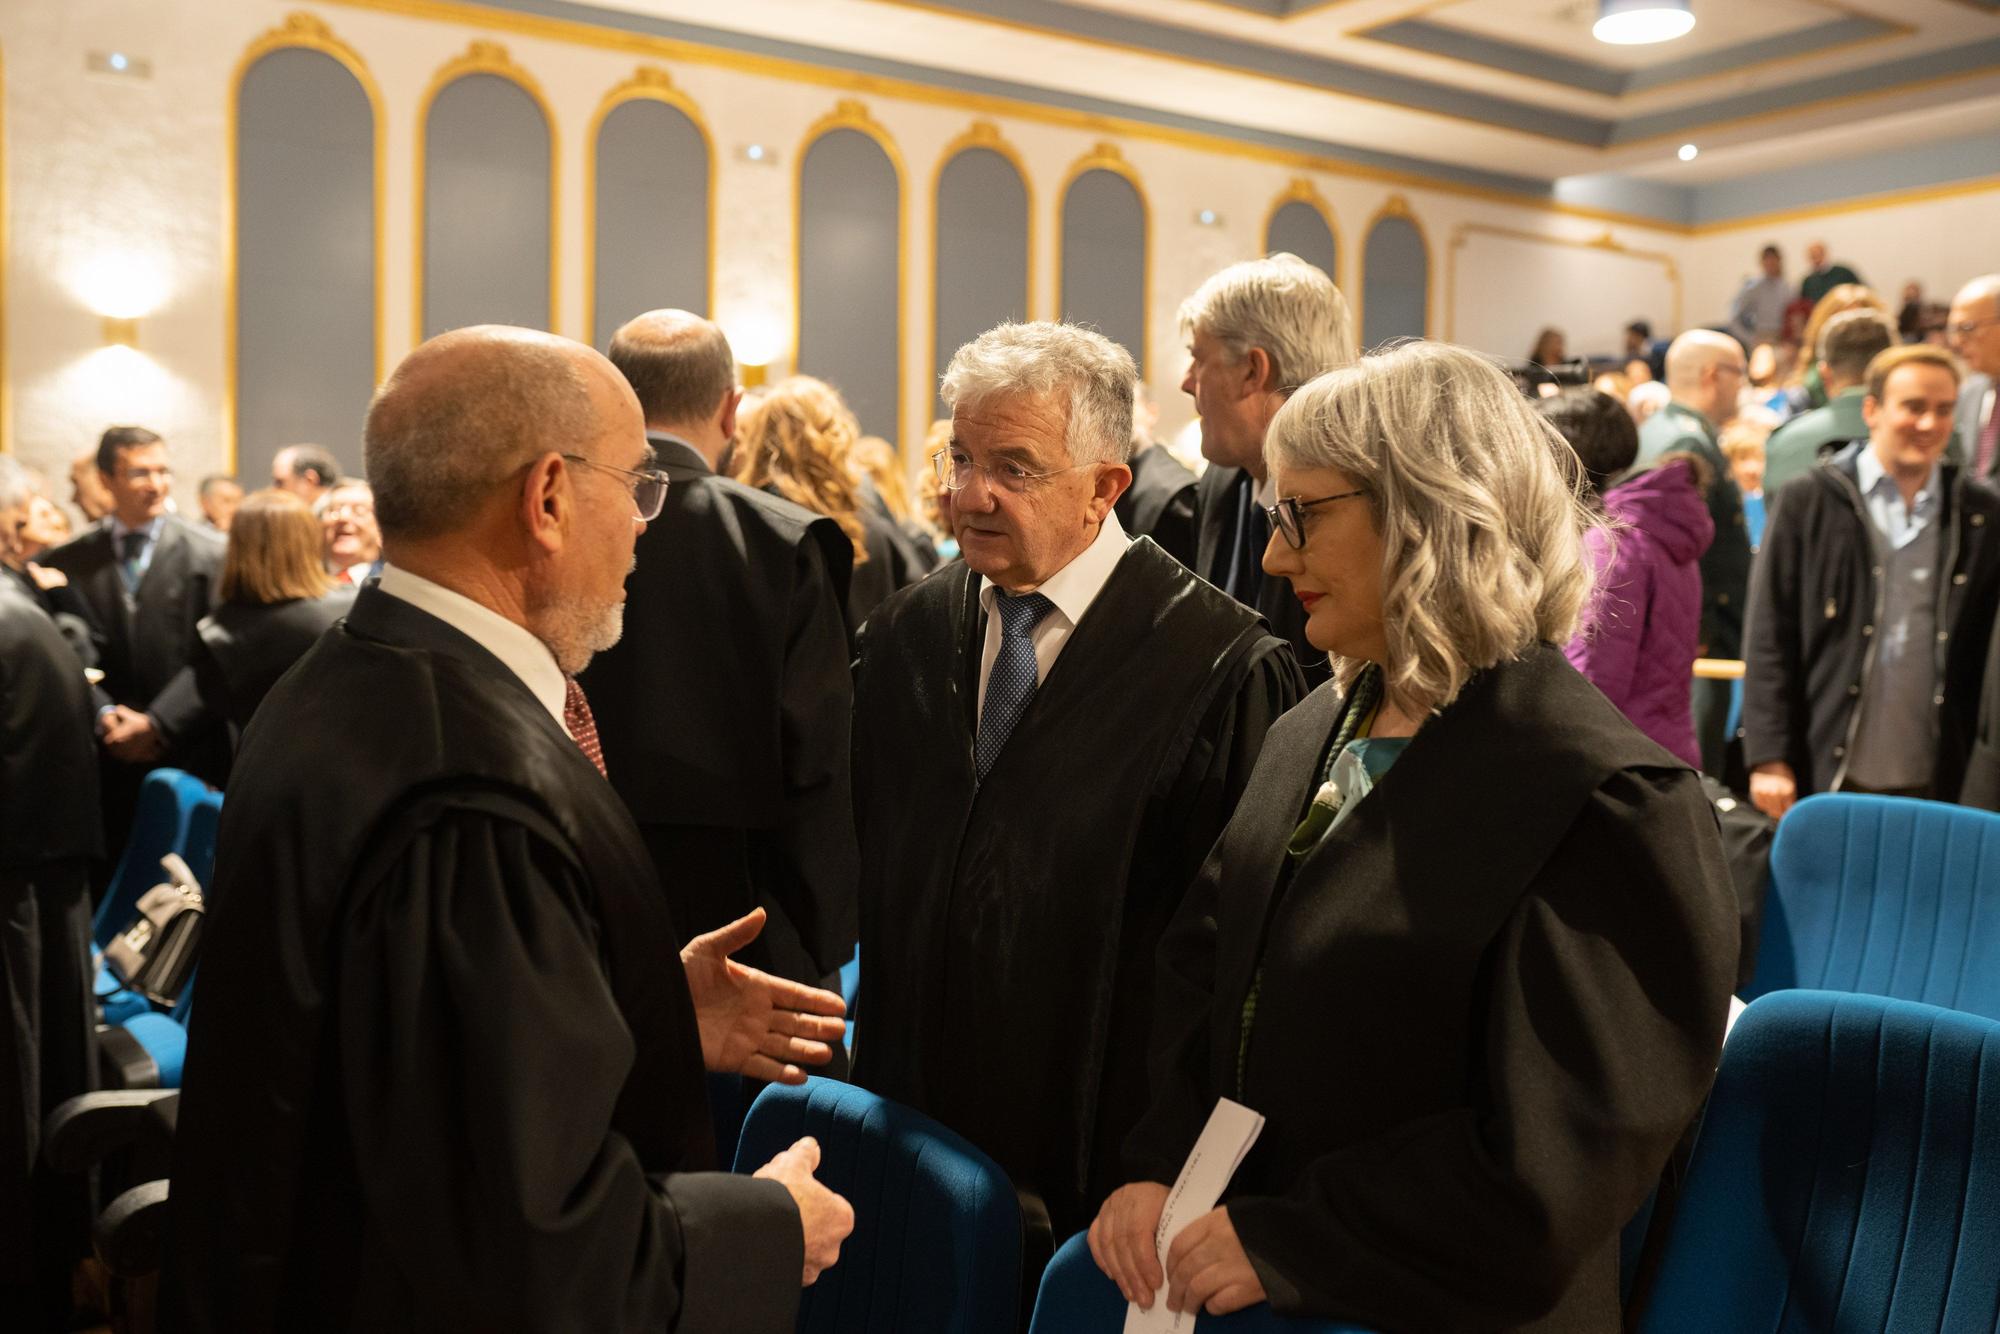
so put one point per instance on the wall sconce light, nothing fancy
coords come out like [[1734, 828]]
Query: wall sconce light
[[118, 62], [121, 332], [751, 377]]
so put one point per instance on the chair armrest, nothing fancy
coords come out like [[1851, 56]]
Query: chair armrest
[[130, 1233], [82, 1131]]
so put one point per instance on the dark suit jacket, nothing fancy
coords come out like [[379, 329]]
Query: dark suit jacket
[[48, 768], [724, 714], [149, 637], [1220, 497], [1486, 1008], [1160, 503]]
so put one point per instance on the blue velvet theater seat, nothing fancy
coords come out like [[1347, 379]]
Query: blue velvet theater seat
[[1077, 1298], [1847, 1175], [936, 1247], [1884, 896]]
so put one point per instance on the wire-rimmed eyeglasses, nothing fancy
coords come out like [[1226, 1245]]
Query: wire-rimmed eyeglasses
[[1288, 516], [649, 489], [955, 471]]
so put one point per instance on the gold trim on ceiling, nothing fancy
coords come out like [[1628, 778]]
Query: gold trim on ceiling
[[1106, 156], [1367, 34], [1921, 194], [307, 32], [484, 57], [983, 134], [1398, 207], [1605, 242], [851, 114], [462, 12], [649, 83]]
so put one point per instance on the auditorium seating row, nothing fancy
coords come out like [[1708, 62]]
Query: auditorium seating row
[[1845, 1174]]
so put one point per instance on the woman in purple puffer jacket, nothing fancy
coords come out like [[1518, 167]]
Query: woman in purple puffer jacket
[[1643, 627]]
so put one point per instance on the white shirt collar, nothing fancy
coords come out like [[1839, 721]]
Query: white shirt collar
[[1869, 474], [518, 650], [1076, 585], [151, 528]]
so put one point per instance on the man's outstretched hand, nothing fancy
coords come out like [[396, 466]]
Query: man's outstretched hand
[[752, 1023]]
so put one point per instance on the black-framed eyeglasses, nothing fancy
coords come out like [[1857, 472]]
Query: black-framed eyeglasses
[[649, 489], [955, 471], [1288, 516]]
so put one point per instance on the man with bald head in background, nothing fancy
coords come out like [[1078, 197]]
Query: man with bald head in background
[[1973, 328], [724, 709], [1706, 372], [448, 1074]]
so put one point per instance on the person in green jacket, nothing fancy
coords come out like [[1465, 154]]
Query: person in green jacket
[[1847, 344]]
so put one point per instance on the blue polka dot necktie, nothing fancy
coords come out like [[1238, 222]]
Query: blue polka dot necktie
[[1012, 682]]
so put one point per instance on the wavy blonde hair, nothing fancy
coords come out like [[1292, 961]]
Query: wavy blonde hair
[[798, 439], [1481, 505]]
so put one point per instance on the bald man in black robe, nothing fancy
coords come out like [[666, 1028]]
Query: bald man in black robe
[[1049, 735], [446, 1067]]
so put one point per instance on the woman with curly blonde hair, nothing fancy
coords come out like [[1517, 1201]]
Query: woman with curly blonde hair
[[797, 441], [1467, 943]]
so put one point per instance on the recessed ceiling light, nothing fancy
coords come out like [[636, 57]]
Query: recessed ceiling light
[[755, 152], [1638, 22], [1208, 217], [1688, 152]]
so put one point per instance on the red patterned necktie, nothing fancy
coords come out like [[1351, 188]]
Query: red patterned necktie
[[583, 727], [1982, 463]]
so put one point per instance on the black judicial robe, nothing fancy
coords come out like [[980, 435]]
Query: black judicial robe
[[1490, 1004], [1008, 928], [445, 1071], [724, 711], [1221, 497], [148, 636], [1160, 503]]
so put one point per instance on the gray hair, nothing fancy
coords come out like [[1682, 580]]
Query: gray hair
[[441, 437], [1480, 503], [1092, 373], [320, 506], [1282, 304], [17, 484]]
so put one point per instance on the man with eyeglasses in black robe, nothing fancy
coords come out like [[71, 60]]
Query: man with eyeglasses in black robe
[[1049, 735]]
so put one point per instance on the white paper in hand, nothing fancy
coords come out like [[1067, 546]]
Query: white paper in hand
[[1232, 1128]]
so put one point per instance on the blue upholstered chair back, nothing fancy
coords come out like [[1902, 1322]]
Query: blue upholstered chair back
[[1076, 1298], [1887, 897], [1847, 1176], [167, 799], [936, 1247]]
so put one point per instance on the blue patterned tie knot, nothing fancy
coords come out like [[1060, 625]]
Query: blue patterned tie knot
[[1011, 684]]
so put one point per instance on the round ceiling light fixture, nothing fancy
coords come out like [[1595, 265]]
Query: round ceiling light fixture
[[1689, 152], [1638, 22]]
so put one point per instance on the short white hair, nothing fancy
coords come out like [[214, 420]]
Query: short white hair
[[1479, 500], [1282, 304], [1092, 374]]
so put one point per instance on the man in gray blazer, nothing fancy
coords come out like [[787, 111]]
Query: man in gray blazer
[[1974, 330]]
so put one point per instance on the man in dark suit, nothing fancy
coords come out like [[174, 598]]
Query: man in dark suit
[[447, 1074], [1256, 331], [724, 709], [148, 578], [1974, 330]]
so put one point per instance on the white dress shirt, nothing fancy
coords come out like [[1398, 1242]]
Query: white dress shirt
[[520, 652], [1072, 589]]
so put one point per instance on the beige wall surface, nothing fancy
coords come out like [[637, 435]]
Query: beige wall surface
[[118, 202]]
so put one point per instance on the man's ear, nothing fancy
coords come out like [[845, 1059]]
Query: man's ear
[[1111, 483], [1257, 376], [1871, 408], [730, 402], [546, 498]]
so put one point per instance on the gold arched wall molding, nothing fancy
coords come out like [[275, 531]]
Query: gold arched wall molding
[[300, 31], [484, 57], [1395, 206], [649, 83], [1605, 242], [1106, 156], [851, 114], [1300, 190], [982, 134]]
